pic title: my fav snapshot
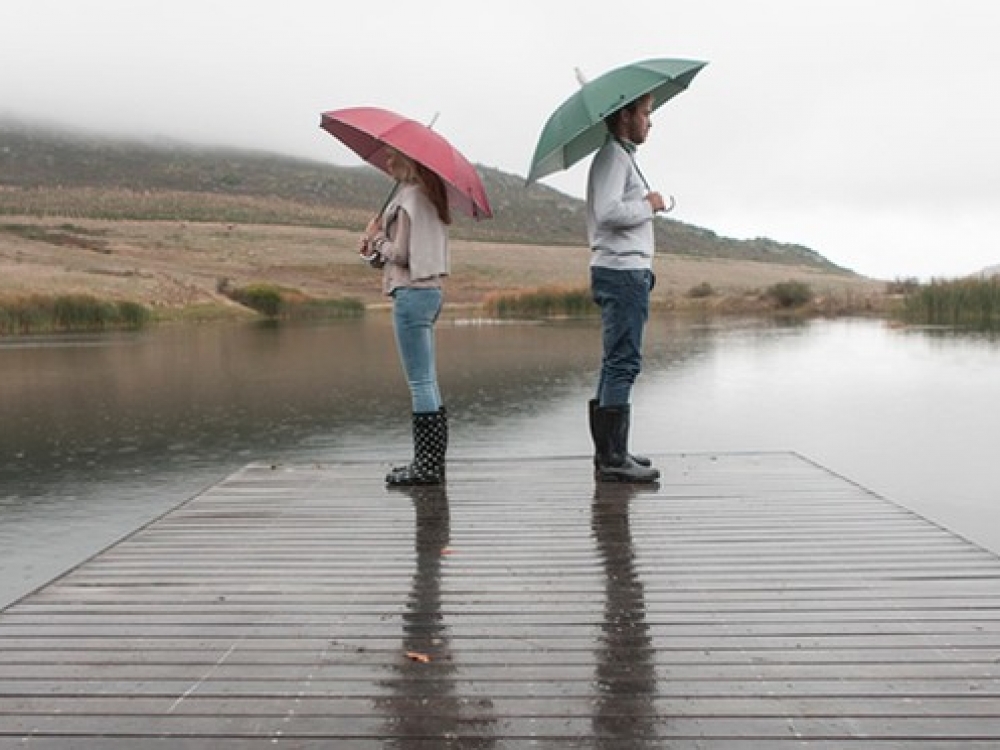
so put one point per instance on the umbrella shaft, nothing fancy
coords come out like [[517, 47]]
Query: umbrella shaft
[[389, 197], [639, 172]]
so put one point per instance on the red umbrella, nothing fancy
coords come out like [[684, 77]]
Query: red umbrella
[[370, 131]]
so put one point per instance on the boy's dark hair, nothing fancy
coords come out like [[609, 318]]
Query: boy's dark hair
[[612, 120]]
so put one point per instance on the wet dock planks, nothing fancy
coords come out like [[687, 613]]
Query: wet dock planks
[[748, 601]]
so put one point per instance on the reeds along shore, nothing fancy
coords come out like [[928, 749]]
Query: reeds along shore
[[784, 298], [966, 303], [69, 313], [79, 313], [544, 302]]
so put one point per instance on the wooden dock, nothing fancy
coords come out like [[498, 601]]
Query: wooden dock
[[749, 601]]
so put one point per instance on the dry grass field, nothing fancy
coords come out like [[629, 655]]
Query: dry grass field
[[177, 267]]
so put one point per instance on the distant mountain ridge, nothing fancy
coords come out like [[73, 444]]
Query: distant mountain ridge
[[990, 272], [37, 157]]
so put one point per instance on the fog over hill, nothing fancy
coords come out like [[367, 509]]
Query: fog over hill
[[33, 157]]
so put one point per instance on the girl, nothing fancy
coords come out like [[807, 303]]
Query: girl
[[409, 241]]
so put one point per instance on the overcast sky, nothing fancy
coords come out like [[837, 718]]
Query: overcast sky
[[865, 129]]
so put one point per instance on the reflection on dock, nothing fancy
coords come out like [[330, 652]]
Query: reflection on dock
[[747, 601]]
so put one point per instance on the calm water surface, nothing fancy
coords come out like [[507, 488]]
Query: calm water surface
[[99, 435]]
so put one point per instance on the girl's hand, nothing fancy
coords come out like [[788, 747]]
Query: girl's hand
[[364, 247]]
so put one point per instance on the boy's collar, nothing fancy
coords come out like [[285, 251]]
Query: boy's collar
[[626, 144]]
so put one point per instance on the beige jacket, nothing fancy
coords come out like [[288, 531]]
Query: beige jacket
[[414, 242]]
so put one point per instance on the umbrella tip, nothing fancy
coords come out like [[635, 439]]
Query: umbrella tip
[[580, 77]]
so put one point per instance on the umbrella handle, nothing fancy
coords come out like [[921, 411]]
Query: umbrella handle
[[645, 182]]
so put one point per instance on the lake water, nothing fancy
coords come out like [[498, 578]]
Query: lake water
[[101, 434]]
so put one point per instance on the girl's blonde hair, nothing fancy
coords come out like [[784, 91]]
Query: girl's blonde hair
[[408, 170], [435, 190]]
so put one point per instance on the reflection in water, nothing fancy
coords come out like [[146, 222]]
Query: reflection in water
[[625, 675], [183, 398], [223, 395], [179, 397], [423, 702]]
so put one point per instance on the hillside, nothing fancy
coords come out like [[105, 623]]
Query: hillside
[[45, 172]]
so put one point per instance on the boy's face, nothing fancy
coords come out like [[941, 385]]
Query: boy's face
[[638, 121]]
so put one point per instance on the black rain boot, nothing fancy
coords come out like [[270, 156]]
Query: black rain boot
[[444, 437], [614, 464], [430, 442], [591, 408]]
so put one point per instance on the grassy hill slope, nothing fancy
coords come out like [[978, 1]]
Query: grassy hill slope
[[46, 172]]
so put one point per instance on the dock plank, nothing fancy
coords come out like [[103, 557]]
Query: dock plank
[[747, 601]]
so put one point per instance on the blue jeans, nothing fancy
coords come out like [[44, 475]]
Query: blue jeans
[[414, 313], [623, 297]]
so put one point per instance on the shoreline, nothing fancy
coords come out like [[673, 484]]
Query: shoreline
[[179, 269]]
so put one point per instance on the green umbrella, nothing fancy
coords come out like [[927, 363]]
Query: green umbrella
[[577, 128]]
